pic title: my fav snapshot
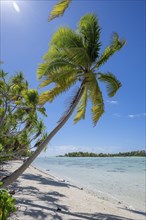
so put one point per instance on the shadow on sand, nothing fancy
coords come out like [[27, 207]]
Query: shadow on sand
[[48, 181], [135, 211], [47, 206]]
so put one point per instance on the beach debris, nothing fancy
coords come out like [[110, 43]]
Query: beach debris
[[12, 192], [58, 209]]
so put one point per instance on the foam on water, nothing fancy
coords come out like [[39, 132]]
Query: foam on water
[[121, 180]]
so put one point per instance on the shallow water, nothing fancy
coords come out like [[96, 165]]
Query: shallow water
[[121, 180]]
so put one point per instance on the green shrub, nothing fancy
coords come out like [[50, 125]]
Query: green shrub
[[7, 205]]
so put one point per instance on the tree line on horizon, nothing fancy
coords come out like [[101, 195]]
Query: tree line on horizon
[[138, 153]]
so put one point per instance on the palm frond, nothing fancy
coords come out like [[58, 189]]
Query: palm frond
[[65, 49], [59, 76], [51, 54], [69, 46], [42, 70], [96, 99], [112, 83], [44, 97], [81, 107], [45, 82], [42, 110], [46, 69], [78, 56], [59, 9], [66, 37], [73, 100], [115, 46], [32, 96], [50, 95], [89, 29]]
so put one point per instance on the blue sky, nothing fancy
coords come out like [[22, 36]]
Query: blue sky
[[25, 36]]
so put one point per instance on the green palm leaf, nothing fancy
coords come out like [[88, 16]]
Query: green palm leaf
[[74, 99], [42, 70], [78, 56], [69, 45], [46, 69], [89, 29], [81, 107], [59, 9], [112, 83], [42, 110], [58, 75], [96, 98], [51, 54], [66, 38], [31, 97], [46, 81], [115, 46], [50, 95]]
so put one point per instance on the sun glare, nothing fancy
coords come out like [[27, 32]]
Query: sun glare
[[16, 7], [10, 4]]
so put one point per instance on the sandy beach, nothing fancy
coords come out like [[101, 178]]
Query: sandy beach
[[40, 195]]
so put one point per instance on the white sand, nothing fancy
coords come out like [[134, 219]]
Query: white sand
[[39, 195]]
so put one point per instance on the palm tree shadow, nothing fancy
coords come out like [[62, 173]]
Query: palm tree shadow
[[47, 181], [135, 211], [41, 212], [40, 205], [45, 213], [47, 206]]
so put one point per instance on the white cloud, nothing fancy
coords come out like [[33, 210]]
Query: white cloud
[[130, 115], [112, 102], [16, 7], [133, 116], [136, 115]]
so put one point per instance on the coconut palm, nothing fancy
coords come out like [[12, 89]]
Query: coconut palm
[[74, 57]]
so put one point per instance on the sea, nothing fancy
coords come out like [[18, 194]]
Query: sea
[[121, 180]]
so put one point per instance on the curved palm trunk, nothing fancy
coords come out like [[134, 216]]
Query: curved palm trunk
[[12, 178]]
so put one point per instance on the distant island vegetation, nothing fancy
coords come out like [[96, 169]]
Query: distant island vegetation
[[137, 153]]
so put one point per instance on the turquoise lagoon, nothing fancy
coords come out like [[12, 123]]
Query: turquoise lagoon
[[120, 180]]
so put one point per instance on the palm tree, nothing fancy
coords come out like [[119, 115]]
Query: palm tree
[[74, 56], [19, 122]]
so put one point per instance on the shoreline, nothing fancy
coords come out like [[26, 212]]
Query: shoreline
[[103, 196], [41, 195], [113, 178], [100, 194]]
